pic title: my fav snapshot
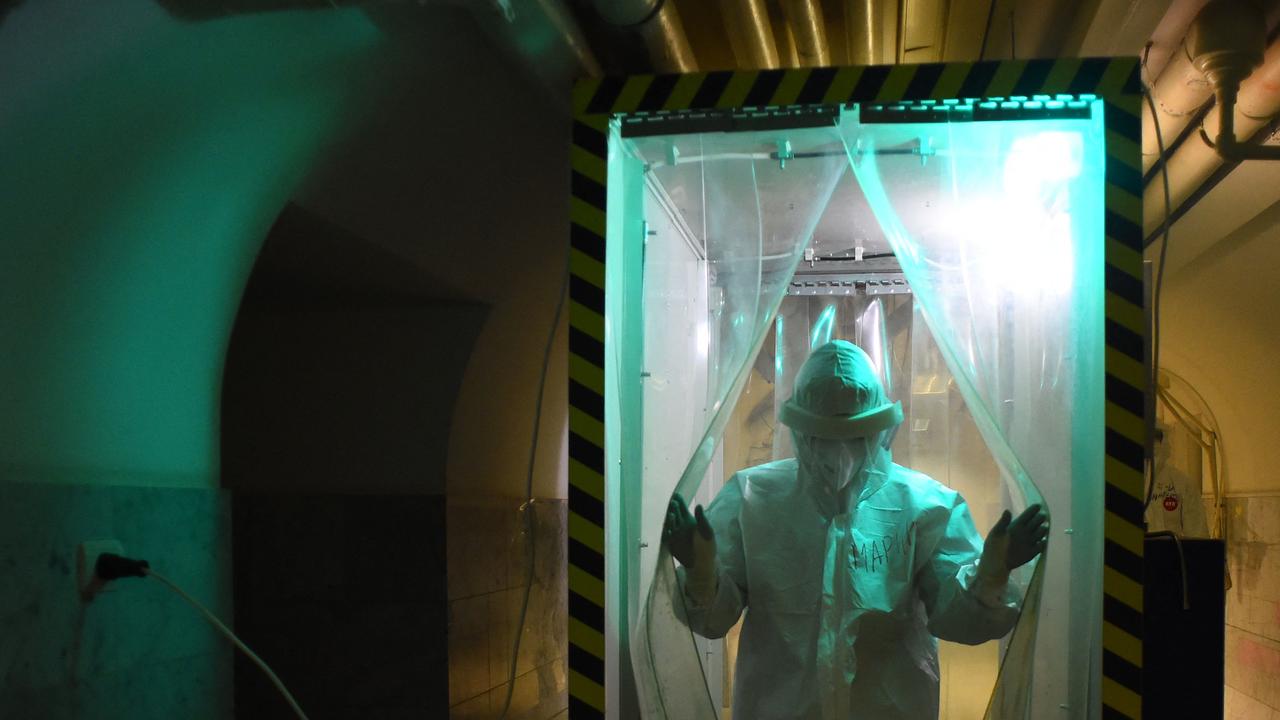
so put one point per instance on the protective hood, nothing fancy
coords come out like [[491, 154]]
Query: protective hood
[[838, 396]]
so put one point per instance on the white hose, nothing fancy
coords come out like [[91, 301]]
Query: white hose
[[234, 640]]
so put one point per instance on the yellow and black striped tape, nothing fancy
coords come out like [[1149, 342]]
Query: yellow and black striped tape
[[1104, 77], [1126, 381], [1115, 80], [586, 418]]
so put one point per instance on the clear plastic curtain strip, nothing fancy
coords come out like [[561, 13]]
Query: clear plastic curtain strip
[[1000, 237], [734, 221]]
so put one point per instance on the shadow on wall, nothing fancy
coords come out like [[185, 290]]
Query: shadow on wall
[[338, 392], [8, 6], [463, 171], [343, 368]]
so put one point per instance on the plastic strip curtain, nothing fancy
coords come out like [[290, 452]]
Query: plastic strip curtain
[[751, 215], [1000, 236]]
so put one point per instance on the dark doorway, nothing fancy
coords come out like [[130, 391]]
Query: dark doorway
[[339, 387]]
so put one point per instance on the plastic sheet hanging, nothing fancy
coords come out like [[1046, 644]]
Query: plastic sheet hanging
[[1000, 237], [757, 214]]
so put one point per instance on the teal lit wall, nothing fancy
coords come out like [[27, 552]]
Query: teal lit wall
[[144, 160], [142, 163]]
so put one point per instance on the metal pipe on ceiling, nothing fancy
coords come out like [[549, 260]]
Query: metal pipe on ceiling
[[748, 22], [1257, 102], [1179, 92], [543, 34], [808, 30], [1167, 37], [1226, 45], [787, 53], [1227, 143], [863, 32], [658, 23]]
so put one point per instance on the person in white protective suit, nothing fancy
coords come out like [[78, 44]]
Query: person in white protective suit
[[846, 565]]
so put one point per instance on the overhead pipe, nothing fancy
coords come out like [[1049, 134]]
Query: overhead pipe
[[1245, 109], [1178, 94], [1168, 36], [1225, 49], [808, 31], [789, 56], [863, 32], [751, 33], [543, 33], [1227, 42], [658, 24]]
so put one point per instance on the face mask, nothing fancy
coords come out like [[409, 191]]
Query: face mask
[[835, 463]]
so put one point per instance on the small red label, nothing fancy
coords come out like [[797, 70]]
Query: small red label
[[1171, 502]]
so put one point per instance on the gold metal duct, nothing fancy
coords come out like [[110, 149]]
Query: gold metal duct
[[865, 27], [658, 23], [669, 48], [747, 22], [808, 30]]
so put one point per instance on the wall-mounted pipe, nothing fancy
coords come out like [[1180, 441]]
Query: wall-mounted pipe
[[808, 31], [1238, 115], [658, 23], [751, 33]]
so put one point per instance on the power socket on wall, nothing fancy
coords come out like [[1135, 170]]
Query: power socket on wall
[[87, 581]]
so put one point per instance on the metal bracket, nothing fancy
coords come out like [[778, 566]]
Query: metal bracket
[[882, 283], [926, 150], [681, 122], [784, 153]]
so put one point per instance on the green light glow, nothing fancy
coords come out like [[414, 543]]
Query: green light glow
[[140, 179], [823, 328], [778, 351]]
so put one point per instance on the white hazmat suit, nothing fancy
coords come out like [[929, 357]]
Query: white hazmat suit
[[847, 566]]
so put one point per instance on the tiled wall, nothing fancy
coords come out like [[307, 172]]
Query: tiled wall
[[344, 596], [1253, 609], [487, 578], [137, 651]]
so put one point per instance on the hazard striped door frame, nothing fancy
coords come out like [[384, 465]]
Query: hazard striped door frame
[[1113, 80]]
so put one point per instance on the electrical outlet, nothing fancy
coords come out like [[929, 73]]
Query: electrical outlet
[[88, 583]]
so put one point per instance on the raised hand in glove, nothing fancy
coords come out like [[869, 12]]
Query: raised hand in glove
[[1013, 542], [692, 541]]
